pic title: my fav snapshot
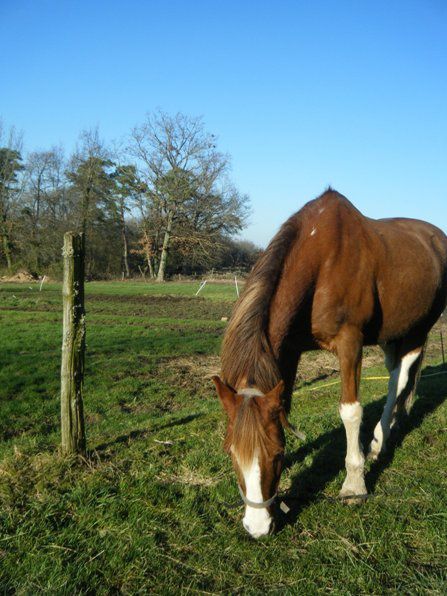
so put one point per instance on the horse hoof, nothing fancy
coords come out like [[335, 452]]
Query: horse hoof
[[373, 456], [350, 497], [374, 451]]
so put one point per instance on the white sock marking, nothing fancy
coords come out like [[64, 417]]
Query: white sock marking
[[351, 414], [399, 377], [407, 362]]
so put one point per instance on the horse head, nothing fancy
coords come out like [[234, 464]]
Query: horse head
[[255, 440]]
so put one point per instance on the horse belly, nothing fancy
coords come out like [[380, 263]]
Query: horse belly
[[411, 298], [338, 305]]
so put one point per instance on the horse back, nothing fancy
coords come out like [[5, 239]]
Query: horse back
[[411, 274], [384, 277]]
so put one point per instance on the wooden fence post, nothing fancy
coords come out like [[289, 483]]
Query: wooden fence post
[[73, 346]]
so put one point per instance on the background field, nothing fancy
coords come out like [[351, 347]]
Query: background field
[[146, 511]]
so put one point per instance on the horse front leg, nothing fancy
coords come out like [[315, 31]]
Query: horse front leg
[[349, 350], [288, 365]]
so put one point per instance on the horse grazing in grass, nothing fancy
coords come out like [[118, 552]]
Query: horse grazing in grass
[[330, 279]]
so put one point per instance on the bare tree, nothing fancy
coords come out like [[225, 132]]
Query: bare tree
[[43, 185], [172, 210], [10, 166], [182, 168]]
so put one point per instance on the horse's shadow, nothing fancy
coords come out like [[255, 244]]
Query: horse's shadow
[[143, 433], [330, 448]]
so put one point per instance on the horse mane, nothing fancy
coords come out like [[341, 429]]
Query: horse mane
[[246, 351]]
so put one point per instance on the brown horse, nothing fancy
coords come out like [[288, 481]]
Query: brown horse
[[330, 279]]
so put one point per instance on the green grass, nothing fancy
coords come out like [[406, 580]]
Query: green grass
[[146, 511]]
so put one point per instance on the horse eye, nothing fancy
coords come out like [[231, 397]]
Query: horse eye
[[277, 463], [278, 458]]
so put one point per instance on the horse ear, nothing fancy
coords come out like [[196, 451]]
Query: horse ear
[[227, 396], [273, 397]]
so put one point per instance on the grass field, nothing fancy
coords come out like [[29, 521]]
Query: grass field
[[146, 511]]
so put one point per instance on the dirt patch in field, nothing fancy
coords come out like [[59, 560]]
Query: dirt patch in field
[[316, 366], [192, 373], [174, 307], [19, 277], [200, 366], [196, 372]]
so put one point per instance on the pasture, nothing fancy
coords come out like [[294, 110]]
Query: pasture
[[147, 510]]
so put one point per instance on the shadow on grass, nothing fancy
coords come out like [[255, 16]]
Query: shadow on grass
[[144, 432], [308, 485], [332, 374], [432, 392]]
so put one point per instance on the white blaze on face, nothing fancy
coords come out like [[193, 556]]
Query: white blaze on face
[[257, 522]]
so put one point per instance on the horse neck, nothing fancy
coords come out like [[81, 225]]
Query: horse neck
[[289, 304]]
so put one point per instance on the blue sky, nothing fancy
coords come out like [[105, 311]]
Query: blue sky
[[301, 94]]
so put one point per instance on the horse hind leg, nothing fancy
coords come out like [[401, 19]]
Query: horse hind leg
[[405, 400], [403, 364]]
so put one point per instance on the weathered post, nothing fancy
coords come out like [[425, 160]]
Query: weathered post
[[73, 346]]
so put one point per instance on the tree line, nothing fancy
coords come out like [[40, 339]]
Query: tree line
[[162, 204]]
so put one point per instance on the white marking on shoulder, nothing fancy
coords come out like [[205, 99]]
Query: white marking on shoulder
[[314, 231], [257, 522], [321, 210]]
